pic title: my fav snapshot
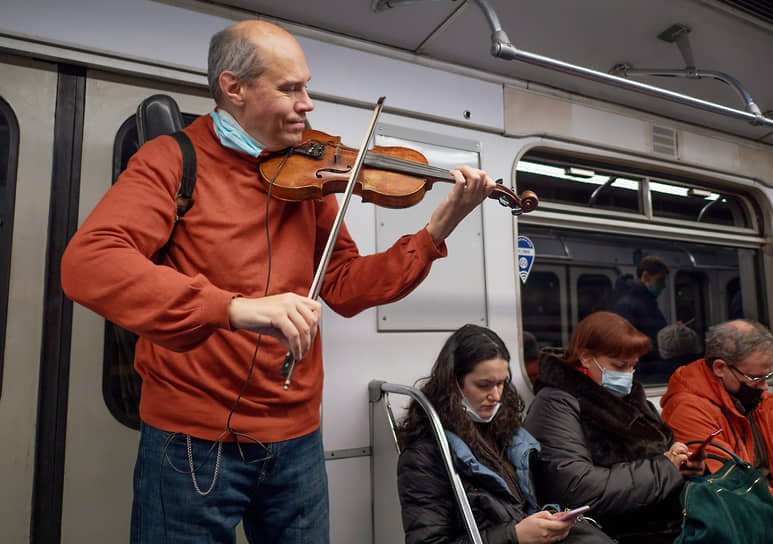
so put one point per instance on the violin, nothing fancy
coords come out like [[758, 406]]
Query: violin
[[391, 177]]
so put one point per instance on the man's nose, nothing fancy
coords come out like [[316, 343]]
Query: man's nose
[[305, 103]]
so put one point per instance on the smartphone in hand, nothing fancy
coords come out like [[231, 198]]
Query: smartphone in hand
[[571, 515], [694, 455]]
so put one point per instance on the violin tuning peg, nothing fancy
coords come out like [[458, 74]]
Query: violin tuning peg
[[499, 181], [517, 211]]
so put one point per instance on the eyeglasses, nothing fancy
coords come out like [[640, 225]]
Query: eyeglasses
[[753, 379]]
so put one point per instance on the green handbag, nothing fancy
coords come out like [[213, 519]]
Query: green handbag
[[732, 506]]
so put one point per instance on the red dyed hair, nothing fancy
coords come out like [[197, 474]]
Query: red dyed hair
[[605, 333]]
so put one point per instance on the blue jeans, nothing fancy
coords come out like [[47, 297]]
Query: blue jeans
[[280, 492]]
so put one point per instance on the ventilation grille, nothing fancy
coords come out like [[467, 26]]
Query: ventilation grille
[[664, 141], [762, 9]]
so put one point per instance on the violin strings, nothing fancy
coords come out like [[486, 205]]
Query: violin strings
[[407, 167]]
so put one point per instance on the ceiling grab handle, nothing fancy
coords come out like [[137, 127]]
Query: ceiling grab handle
[[679, 34], [502, 48]]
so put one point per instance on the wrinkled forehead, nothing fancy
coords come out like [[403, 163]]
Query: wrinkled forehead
[[756, 363]]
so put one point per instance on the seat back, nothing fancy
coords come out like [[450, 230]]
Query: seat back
[[158, 115]]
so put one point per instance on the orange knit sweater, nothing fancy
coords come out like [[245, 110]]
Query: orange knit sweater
[[192, 364]]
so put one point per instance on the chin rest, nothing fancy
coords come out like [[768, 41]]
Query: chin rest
[[158, 115]]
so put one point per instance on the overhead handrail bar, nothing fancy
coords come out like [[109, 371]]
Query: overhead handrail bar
[[680, 35], [376, 389], [502, 47]]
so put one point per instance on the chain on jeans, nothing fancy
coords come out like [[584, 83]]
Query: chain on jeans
[[193, 471]]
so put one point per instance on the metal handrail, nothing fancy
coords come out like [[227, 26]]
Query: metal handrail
[[376, 389], [502, 47]]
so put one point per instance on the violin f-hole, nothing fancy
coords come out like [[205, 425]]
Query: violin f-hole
[[319, 172]]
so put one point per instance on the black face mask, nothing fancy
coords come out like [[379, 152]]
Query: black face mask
[[749, 397]]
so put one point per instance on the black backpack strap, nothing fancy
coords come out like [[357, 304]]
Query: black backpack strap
[[188, 176], [184, 195]]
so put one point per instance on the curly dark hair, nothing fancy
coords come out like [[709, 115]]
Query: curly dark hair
[[465, 348]]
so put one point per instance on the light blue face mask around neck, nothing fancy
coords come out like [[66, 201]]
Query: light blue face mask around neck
[[233, 136], [474, 415], [617, 383]]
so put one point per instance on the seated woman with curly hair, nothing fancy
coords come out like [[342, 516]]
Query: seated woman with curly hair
[[602, 441], [481, 413]]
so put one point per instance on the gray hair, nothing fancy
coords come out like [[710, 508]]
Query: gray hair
[[232, 50], [733, 341], [677, 341]]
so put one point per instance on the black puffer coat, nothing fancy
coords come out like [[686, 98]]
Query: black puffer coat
[[430, 512], [606, 452]]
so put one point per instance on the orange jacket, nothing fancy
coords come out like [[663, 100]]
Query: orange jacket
[[696, 404], [192, 364]]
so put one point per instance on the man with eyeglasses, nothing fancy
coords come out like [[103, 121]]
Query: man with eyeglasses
[[727, 390]]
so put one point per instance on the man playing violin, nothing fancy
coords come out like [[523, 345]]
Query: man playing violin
[[220, 440]]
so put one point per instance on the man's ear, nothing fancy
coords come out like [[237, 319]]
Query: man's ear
[[232, 88], [719, 366]]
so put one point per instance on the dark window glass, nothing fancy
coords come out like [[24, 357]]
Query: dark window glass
[[702, 289], [541, 307], [9, 153], [674, 201], [594, 293], [734, 300], [120, 382], [690, 299]]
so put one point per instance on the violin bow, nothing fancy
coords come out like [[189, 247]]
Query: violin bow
[[288, 366]]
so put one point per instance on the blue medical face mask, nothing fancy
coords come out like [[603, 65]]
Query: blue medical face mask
[[655, 290], [233, 136], [473, 414], [617, 383]]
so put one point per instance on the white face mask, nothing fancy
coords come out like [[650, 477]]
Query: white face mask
[[474, 415]]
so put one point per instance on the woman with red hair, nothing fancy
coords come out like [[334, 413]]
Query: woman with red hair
[[603, 443]]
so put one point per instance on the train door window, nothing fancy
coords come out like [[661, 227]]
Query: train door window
[[733, 299], [9, 152], [120, 382], [690, 299], [543, 305], [594, 294]]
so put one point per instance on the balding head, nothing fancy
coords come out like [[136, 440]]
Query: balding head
[[733, 341], [245, 48]]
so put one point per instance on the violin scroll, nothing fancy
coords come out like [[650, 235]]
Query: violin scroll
[[526, 203]]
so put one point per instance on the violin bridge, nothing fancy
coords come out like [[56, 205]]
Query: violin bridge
[[312, 149]]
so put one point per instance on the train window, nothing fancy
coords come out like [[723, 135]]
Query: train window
[[676, 201], [542, 307], [596, 188], [120, 382], [594, 293], [9, 153], [577, 272]]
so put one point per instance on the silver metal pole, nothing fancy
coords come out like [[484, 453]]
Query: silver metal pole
[[375, 387]]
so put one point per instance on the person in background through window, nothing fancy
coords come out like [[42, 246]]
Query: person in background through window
[[639, 302], [530, 355], [727, 390], [677, 346], [481, 412], [603, 443]]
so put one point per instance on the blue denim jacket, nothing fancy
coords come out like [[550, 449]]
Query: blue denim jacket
[[517, 452]]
